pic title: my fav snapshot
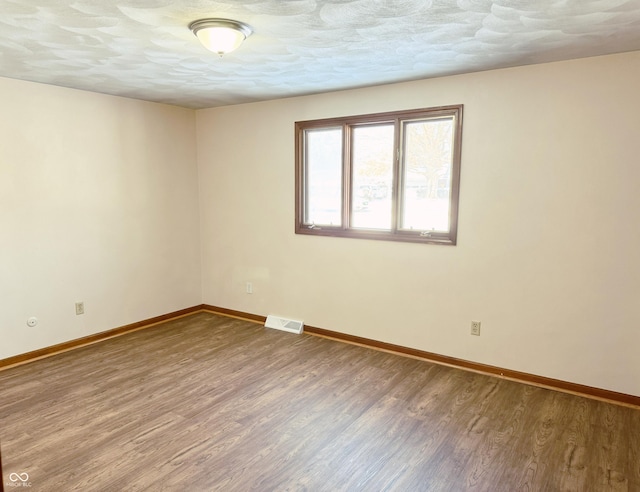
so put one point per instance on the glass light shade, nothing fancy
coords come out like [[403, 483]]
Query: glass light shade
[[221, 36]]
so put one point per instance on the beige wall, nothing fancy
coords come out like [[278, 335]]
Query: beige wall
[[98, 203], [549, 236]]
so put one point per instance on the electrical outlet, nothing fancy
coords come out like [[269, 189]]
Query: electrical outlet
[[249, 288], [475, 328], [79, 308]]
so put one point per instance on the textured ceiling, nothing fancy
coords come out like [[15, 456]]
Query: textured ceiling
[[143, 48]]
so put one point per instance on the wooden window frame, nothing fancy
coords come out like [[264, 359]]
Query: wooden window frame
[[395, 233]]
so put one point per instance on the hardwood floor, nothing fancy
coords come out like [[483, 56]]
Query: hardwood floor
[[208, 402]]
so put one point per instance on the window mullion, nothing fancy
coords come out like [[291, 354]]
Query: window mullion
[[346, 177]]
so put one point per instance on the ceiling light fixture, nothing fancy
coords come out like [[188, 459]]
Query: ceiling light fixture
[[221, 36]]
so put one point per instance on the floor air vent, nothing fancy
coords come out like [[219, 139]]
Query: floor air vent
[[284, 324]]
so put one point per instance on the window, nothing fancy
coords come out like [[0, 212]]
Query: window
[[392, 176]]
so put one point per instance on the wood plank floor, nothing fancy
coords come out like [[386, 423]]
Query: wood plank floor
[[208, 403]]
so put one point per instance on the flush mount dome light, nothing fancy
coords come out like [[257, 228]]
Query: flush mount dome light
[[221, 36]]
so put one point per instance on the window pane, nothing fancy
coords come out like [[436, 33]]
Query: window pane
[[323, 203], [427, 171], [372, 176]]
